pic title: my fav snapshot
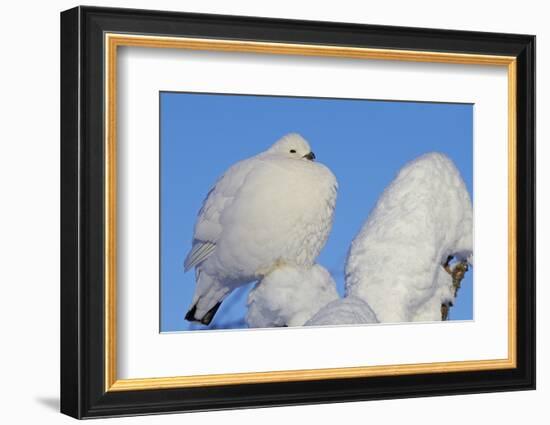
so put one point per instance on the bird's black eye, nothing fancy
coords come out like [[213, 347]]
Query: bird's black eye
[[292, 151]]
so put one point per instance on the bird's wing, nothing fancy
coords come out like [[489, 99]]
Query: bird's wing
[[199, 252], [208, 227]]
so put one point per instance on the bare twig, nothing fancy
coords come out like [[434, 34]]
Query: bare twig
[[457, 273]]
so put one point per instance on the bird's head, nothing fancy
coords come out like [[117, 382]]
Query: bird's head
[[292, 146]]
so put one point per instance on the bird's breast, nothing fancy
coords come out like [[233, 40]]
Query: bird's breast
[[283, 214]]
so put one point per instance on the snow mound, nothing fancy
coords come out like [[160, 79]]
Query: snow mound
[[395, 262], [289, 296], [430, 311], [347, 311]]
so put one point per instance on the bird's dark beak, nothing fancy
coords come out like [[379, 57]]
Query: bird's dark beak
[[310, 156]]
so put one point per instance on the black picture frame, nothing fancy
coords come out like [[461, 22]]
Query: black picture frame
[[83, 392]]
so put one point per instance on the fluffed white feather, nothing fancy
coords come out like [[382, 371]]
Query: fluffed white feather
[[200, 251]]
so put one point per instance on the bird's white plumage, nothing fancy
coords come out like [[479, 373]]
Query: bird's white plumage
[[200, 251], [289, 296], [272, 209], [395, 262]]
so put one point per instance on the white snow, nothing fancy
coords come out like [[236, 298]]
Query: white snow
[[347, 311], [290, 296], [272, 209], [395, 262], [430, 311]]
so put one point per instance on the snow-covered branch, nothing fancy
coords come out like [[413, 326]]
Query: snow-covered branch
[[290, 296], [395, 263]]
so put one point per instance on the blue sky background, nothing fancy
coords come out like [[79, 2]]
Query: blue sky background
[[363, 142]]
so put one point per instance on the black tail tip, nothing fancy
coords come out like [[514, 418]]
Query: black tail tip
[[190, 316], [206, 319]]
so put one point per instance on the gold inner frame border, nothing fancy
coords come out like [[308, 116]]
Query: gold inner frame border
[[113, 40]]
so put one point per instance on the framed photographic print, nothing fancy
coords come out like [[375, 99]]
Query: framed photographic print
[[261, 212]]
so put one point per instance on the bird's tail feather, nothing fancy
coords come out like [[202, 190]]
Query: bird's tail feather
[[206, 319], [208, 297]]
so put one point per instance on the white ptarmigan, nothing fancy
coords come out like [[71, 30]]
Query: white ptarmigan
[[266, 211], [395, 263]]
